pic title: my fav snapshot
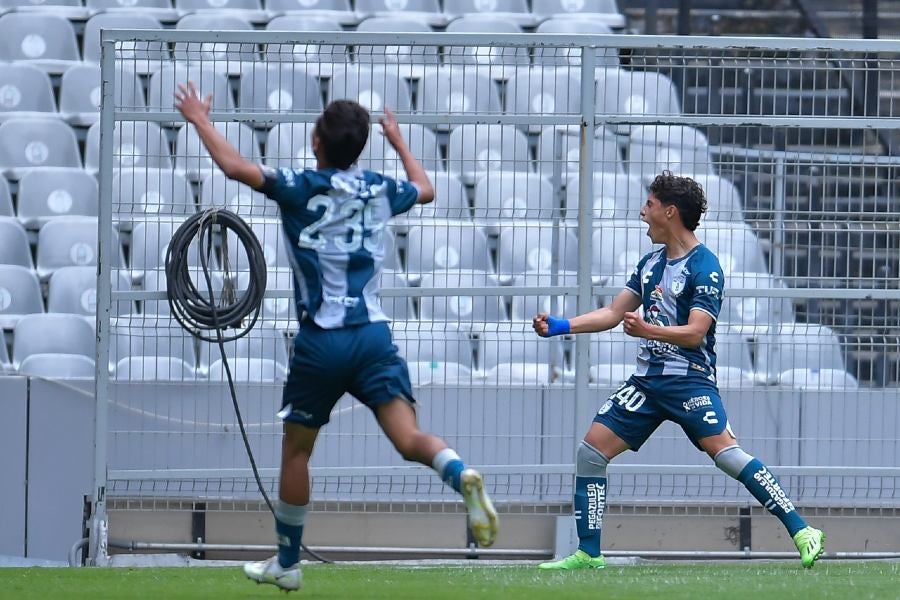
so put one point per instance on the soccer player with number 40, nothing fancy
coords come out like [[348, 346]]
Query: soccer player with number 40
[[333, 219], [680, 287]]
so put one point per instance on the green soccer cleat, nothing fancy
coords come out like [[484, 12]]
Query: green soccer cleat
[[579, 560], [811, 544], [483, 519], [270, 571]]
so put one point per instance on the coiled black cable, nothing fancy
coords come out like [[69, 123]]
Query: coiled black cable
[[207, 319]]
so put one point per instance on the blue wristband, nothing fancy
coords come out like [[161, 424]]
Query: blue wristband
[[557, 326]]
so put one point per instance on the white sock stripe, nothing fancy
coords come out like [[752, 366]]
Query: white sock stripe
[[442, 458], [291, 514], [732, 460]]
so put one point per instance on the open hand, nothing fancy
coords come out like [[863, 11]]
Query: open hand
[[390, 129], [189, 104], [634, 324]]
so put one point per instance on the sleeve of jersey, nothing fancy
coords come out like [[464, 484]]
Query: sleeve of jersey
[[708, 290], [284, 186], [634, 280], [402, 195]]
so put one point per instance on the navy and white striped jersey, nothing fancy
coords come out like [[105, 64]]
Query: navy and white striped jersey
[[334, 224], [669, 291]]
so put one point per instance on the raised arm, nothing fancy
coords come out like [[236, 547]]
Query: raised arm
[[226, 156], [415, 172], [596, 320]]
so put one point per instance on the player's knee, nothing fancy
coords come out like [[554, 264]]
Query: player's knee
[[590, 462], [732, 460]]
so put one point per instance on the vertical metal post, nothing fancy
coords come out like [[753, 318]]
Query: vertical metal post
[[585, 233], [651, 16], [105, 252], [778, 234], [684, 17]]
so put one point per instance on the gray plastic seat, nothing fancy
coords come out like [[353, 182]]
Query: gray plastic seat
[[271, 239], [25, 89], [616, 196], [593, 11], [543, 91], [6, 205], [218, 190], [732, 351], [373, 87], [474, 150], [607, 158], [451, 203], [438, 373], [525, 307], [502, 60], [425, 11], [70, 9], [280, 311], [279, 88], [14, 248], [395, 307], [154, 280], [797, 346], [141, 57], [818, 379], [517, 346], [73, 290], [618, 246], [762, 311], [380, 156], [80, 94], [193, 160], [51, 192], [427, 343], [264, 342], [735, 244], [315, 58], [530, 248], [457, 90], [164, 83], [58, 366], [150, 335], [250, 10], [653, 149], [604, 57], [153, 368], [289, 145], [515, 11], [71, 241], [20, 295], [43, 39], [446, 248], [52, 334], [414, 61], [149, 242], [613, 356], [225, 57], [158, 9], [152, 193], [470, 312], [505, 199], [136, 144], [722, 198], [337, 10], [247, 369], [27, 142], [643, 93]]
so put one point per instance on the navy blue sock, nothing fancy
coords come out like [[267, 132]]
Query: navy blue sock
[[762, 483], [289, 520], [590, 500], [449, 466]]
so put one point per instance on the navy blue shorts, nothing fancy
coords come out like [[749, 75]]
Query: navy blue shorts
[[641, 404], [327, 363]]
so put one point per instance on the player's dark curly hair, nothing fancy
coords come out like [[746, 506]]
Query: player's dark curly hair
[[343, 129], [683, 192]]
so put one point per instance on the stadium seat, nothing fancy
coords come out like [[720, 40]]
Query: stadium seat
[[157, 9], [735, 244], [336, 10], [618, 246], [70, 9], [279, 88], [722, 198], [592, 11], [426, 12], [278, 310], [150, 335], [316, 59], [164, 82], [414, 61], [25, 89], [20, 295], [6, 205], [397, 308], [451, 204], [153, 368], [543, 91], [525, 307], [136, 144], [503, 61], [474, 150], [613, 356], [515, 11], [518, 346], [457, 90], [51, 192], [653, 149], [530, 248], [193, 160], [223, 57], [73, 290], [391, 254], [289, 146], [373, 87], [150, 193], [505, 199], [141, 57], [14, 248], [438, 373], [263, 342], [605, 57], [218, 190], [616, 196], [797, 346], [149, 243], [435, 344], [52, 334], [71, 241], [251, 10], [818, 379], [641, 93], [446, 249], [469, 312], [26, 143], [44, 40], [760, 310], [380, 156], [80, 94], [58, 366], [249, 370], [732, 350], [607, 158], [271, 239]]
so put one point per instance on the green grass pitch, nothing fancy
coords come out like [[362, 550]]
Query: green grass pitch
[[672, 581]]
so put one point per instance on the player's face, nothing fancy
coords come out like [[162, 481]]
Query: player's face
[[653, 213]]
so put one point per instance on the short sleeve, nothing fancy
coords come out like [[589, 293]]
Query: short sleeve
[[402, 195], [708, 290], [634, 280], [284, 186]]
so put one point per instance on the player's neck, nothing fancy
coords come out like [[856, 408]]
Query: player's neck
[[680, 243]]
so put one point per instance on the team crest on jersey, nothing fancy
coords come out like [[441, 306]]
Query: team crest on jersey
[[605, 408], [678, 283], [657, 293]]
